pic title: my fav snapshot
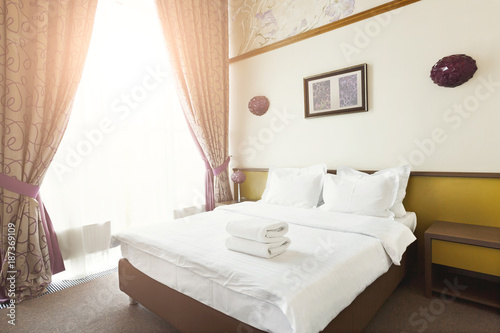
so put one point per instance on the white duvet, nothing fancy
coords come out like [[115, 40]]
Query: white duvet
[[332, 258]]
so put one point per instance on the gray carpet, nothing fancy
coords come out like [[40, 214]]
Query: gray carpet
[[408, 310], [99, 306], [95, 306], [58, 285]]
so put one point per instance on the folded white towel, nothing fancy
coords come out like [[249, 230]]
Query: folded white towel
[[265, 250], [257, 229]]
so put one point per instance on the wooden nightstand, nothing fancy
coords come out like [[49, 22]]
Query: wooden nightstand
[[477, 287]]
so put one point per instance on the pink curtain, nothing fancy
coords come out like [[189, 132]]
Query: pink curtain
[[197, 38], [43, 48]]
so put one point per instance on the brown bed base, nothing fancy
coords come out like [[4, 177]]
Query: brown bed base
[[188, 315]]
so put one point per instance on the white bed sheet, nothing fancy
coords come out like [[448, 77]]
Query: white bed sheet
[[409, 220], [283, 294], [247, 309]]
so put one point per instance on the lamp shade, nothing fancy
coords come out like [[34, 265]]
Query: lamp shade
[[238, 177], [453, 70]]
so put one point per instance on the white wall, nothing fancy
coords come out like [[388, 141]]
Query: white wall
[[405, 106]]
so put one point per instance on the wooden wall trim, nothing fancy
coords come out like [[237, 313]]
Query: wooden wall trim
[[413, 173], [456, 174], [325, 28]]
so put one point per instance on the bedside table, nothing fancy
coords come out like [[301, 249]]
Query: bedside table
[[481, 239]]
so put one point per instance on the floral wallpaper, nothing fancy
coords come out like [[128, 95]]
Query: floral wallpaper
[[257, 23]]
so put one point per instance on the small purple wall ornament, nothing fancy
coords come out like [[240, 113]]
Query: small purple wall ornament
[[238, 177], [258, 105], [453, 70]]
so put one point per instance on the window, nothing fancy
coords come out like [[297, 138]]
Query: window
[[127, 155]]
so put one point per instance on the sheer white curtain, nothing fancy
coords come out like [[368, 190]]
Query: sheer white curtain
[[127, 156]]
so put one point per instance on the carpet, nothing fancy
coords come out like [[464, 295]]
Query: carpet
[[408, 310], [58, 285], [94, 306]]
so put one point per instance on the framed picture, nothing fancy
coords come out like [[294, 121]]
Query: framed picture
[[337, 92]]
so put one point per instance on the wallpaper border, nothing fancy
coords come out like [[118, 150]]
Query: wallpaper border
[[325, 28]]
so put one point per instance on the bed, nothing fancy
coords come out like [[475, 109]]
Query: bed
[[181, 270]]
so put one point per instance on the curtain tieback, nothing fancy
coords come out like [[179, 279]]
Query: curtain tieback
[[220, 169], [18, 186]]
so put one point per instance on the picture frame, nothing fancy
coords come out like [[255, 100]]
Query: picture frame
[[337, 92]]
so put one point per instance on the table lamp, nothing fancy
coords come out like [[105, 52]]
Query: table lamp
[[238, 177]]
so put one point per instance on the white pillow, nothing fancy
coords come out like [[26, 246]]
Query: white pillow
[[371, 196], [403, 173], [300, 187]]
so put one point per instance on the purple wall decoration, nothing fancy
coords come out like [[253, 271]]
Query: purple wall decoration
[[453, 70], [322, 96], [258, 105], [348, 90]]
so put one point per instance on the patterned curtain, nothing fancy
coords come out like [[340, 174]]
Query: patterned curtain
[[43, 45], [197, 38]]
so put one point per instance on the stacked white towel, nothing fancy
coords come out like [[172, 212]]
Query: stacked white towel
[[258, 237]]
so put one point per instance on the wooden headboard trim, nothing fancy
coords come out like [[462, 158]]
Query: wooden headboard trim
[[413, 173]]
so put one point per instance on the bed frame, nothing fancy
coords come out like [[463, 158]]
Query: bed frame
[[188, 315], [465, 197]]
